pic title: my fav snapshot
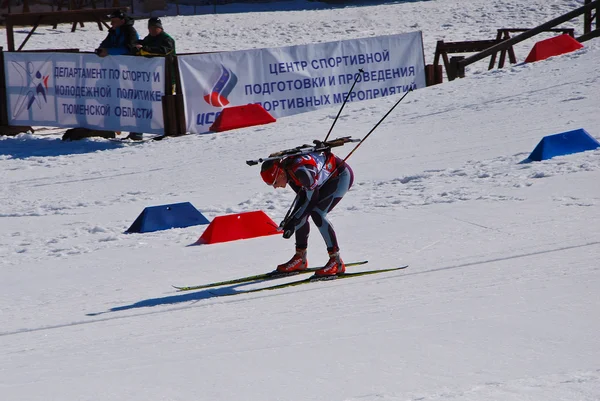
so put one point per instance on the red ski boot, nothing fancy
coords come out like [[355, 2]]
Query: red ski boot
[[334, 266], [297, 263]]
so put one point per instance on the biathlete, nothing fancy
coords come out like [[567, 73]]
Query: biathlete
[[320, 180]]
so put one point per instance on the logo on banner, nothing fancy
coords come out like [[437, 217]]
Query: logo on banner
[[225, 82], [34, 86]]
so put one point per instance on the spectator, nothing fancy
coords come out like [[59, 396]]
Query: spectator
[[121, 38], [157, 43]]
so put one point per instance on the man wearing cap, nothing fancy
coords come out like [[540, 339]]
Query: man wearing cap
[[158, 42], [122, 36]]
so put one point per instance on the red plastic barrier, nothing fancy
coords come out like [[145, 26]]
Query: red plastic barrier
[[241, 116], [238, 226], [553, 47]]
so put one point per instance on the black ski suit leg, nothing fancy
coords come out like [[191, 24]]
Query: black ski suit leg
[[329, 196]]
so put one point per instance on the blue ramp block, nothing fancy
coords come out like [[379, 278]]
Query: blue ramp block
[[164, 217], [563, 144]]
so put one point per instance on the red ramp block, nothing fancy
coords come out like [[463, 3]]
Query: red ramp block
[[553, 47], [241, 116], [232, 227]]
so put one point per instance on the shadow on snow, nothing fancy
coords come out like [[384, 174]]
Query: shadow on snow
[[26, 145], [188, 296]]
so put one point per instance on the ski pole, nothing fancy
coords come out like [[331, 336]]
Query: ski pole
[[366, 136], [376, 125], [360, 70], [288, 214]]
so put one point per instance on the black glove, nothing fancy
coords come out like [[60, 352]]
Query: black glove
[[288, 228]]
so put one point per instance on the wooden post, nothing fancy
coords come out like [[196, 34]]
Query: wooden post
[[429, 75], [598, 18], [10, 35], [168, 108], [179, 104], [502, 53], [587, 19], [502, 35], [455, 71], [3, 99], [433, 74], [438, 74], [167, 100]]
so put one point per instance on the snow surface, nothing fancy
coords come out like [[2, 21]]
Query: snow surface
[[501, 300]]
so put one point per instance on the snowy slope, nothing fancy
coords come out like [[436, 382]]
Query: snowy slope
[[500, 301]]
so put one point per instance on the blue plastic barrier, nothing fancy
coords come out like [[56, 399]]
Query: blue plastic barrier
[[164, 217], [563, 144]]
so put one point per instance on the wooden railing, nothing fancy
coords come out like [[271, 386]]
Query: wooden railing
[[457, 66], [443, 49]]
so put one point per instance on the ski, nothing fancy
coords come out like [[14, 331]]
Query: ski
[[259, 277], [314, 279]]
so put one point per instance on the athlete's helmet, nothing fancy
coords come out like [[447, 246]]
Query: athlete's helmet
[[269, 171]]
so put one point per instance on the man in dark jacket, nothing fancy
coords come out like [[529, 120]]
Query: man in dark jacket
[[158, 42], [121, 38]]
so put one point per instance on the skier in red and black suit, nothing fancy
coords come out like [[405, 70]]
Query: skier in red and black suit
[[320, 179]]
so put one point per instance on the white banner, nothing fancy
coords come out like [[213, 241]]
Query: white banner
[[117, 93], [297, 79]]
